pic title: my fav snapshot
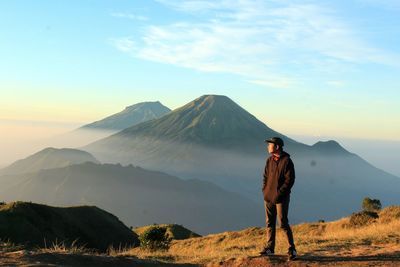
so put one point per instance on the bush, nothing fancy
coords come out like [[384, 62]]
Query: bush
[[362, 218], [155, 238], [372, 205]]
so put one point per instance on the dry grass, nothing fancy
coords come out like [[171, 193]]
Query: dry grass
[[310, 238], [8, 246], [61, 247]]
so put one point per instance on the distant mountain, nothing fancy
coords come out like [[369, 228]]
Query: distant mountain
[[42, 226], [137, 196], [94, 131], [214, 139], [49, 158], [130, 116], [330, 148]]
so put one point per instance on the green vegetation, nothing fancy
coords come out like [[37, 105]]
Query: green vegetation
[[155, 238], [371, 205]]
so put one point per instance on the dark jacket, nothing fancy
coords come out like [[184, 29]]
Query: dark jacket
[[278, 178]]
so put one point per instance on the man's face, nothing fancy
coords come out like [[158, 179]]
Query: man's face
[[272, 148]]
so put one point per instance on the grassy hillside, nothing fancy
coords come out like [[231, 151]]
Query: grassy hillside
[[174, 231], [333, 241], [40, 225]]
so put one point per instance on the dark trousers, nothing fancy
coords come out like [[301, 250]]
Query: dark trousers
[[271, 212]]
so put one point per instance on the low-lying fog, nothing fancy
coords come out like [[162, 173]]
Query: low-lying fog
[[19, 139]]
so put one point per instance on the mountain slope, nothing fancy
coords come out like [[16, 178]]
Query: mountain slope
[[130, 116], [49, 158], [137, 196], [210, 120]]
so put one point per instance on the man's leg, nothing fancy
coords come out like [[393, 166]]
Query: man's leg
[[282, 211], [270, 220]]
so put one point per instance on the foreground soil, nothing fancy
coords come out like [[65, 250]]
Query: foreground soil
[[385, 255], [35, 259]]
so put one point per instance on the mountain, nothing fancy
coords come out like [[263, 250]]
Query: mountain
[[214, 139], [49, 158], [41, 225], [210, 120], [91, 132], [130, 116], [137, 196], [203, 139]]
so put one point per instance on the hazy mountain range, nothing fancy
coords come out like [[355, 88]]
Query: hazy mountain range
[[137, 196], [213, 141]]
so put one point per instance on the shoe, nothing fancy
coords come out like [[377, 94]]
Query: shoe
[[292, 254], [266, 252]]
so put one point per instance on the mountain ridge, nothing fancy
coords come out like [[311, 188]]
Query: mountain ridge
[[131, 115], [49, 158]]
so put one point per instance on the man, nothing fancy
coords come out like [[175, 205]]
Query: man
[[278, 180]]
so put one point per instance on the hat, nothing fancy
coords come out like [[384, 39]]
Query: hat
[[275, 140]]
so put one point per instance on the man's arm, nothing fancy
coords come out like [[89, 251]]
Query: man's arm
[[289, 175], [265, 176]]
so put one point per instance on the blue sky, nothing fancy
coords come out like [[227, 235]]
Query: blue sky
[[312, 68]]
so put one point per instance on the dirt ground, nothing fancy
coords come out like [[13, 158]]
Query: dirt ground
[[368, 255], [27, 258]]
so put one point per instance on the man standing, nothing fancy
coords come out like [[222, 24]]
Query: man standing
[[278, 180]]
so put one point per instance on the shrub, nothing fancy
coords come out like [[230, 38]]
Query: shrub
[[362, 218], [372, 205], [155, 238]]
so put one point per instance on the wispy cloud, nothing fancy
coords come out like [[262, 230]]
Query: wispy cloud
[[263, 41], [125, 44], [129, 16], [387, 4]]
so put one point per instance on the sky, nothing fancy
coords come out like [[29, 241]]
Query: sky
[[310, 69]]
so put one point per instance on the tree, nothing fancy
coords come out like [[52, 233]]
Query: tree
[[155, 238], [369, 204]]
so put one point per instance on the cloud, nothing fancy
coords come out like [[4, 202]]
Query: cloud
[[129, 16], [386, 4], [125, 44], [263, 41]]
